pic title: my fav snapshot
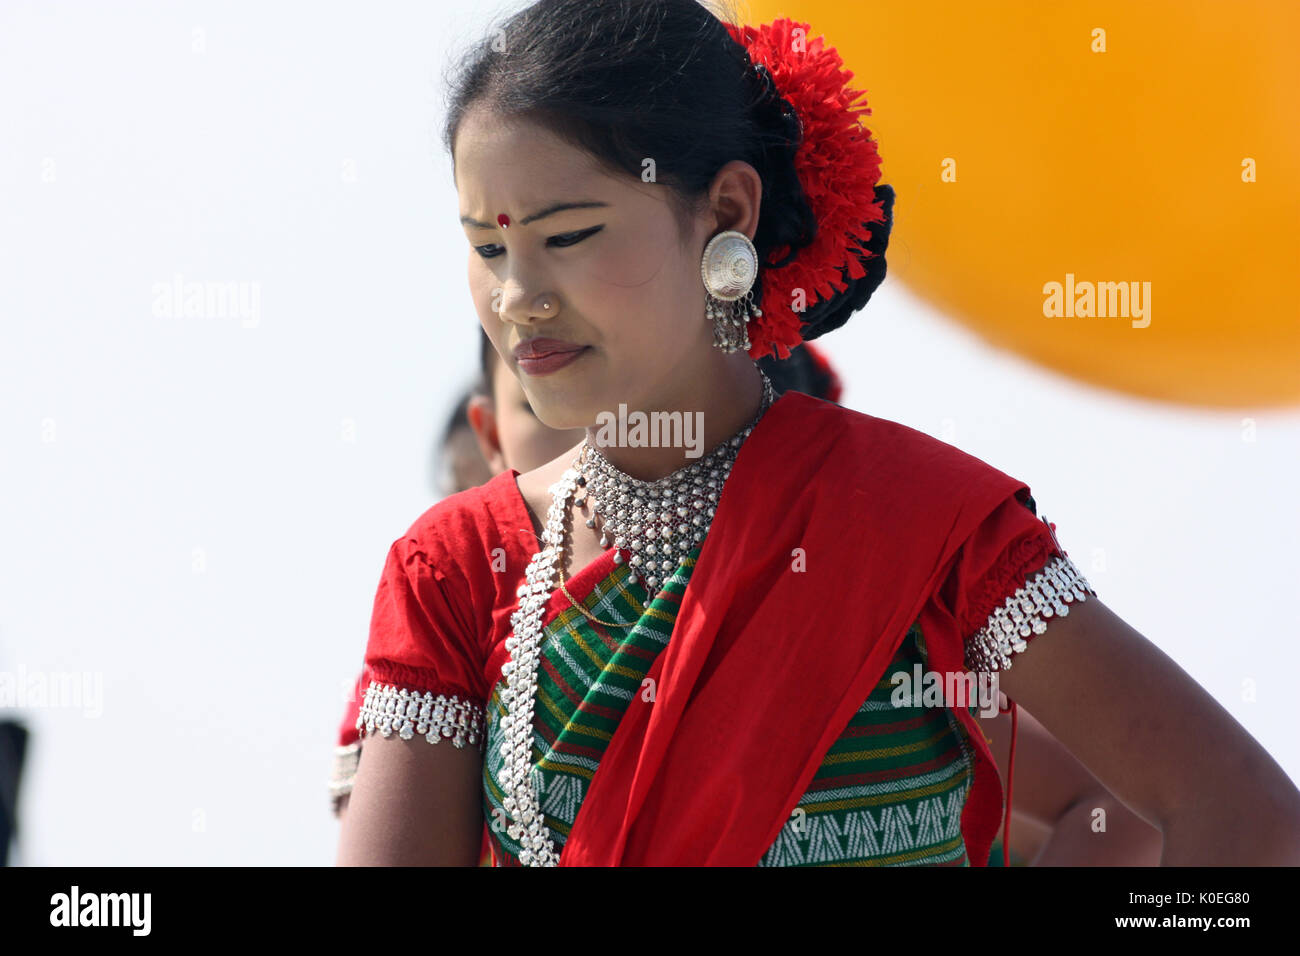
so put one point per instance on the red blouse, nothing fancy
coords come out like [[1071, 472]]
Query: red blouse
[[448, 588]]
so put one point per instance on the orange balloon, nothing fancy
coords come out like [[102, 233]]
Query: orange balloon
[[1110, 189]]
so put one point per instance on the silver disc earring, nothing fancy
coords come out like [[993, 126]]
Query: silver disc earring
[[729, 268]]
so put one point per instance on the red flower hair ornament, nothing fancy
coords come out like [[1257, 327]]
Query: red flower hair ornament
[[838, 168]]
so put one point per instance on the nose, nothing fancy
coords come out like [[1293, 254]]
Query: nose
[[524, 304]]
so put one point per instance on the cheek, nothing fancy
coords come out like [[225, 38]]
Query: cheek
[[482, 285], [645, 287], [485, 294], [638, 252], [628, 261]]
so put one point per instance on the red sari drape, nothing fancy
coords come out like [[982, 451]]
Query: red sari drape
[[831, 533]]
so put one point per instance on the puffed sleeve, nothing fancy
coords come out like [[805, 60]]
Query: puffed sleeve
[[1010, 578], [424, 675]]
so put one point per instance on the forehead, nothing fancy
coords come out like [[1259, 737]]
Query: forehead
[[519, 164]]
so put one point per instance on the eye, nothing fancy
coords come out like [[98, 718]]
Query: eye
[[573, 238], [564, 239]]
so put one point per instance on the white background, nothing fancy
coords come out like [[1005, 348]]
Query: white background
[[298, 149]]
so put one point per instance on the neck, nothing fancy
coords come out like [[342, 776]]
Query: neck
[[679, 430]]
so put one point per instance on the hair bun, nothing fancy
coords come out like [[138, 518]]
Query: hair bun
[[813, 285], [791, 222], [828, 315]]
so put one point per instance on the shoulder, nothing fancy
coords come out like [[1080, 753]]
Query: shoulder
[[861, 448], [461, 532], [446, 590]]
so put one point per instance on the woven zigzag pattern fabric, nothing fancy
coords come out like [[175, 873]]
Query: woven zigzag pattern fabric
[[889, 792]]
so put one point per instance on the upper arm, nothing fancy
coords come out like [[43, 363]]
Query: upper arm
[[413, 804], [416, 797], [1148, 731]]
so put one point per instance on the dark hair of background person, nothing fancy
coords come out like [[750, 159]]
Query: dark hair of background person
[[482, 386], [487, 363], [628, 79]]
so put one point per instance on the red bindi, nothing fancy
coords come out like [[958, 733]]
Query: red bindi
[[503, 220]]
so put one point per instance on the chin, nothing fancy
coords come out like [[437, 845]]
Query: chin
[[562, 417]]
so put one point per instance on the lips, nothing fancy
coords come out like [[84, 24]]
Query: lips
[[542, 347], [543, 356]]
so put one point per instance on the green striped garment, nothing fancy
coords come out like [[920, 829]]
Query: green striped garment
[[889, 791]]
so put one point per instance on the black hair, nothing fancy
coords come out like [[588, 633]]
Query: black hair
[[482, 385], [459, 417], [487, 364], [630, 80], [797, 373]]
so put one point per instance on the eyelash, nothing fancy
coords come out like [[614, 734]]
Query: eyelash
[[581, 235]]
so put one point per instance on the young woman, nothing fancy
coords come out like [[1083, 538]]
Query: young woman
[[633, 655]]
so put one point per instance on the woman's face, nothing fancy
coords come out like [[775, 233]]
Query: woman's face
[[623, 284]]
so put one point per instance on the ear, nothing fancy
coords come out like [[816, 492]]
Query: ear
[[482, 415], [735, 196]]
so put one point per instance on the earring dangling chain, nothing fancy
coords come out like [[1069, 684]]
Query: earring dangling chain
[[731, 322]]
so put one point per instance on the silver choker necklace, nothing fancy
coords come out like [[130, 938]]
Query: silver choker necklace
[[520, 780], [658, 522]]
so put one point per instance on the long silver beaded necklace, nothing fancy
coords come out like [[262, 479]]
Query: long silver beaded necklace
[[659, 523]]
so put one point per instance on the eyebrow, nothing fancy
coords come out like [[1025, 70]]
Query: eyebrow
[[540, 214]]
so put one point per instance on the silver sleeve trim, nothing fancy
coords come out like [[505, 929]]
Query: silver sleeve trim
[[389, 708], [1025, 614]]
